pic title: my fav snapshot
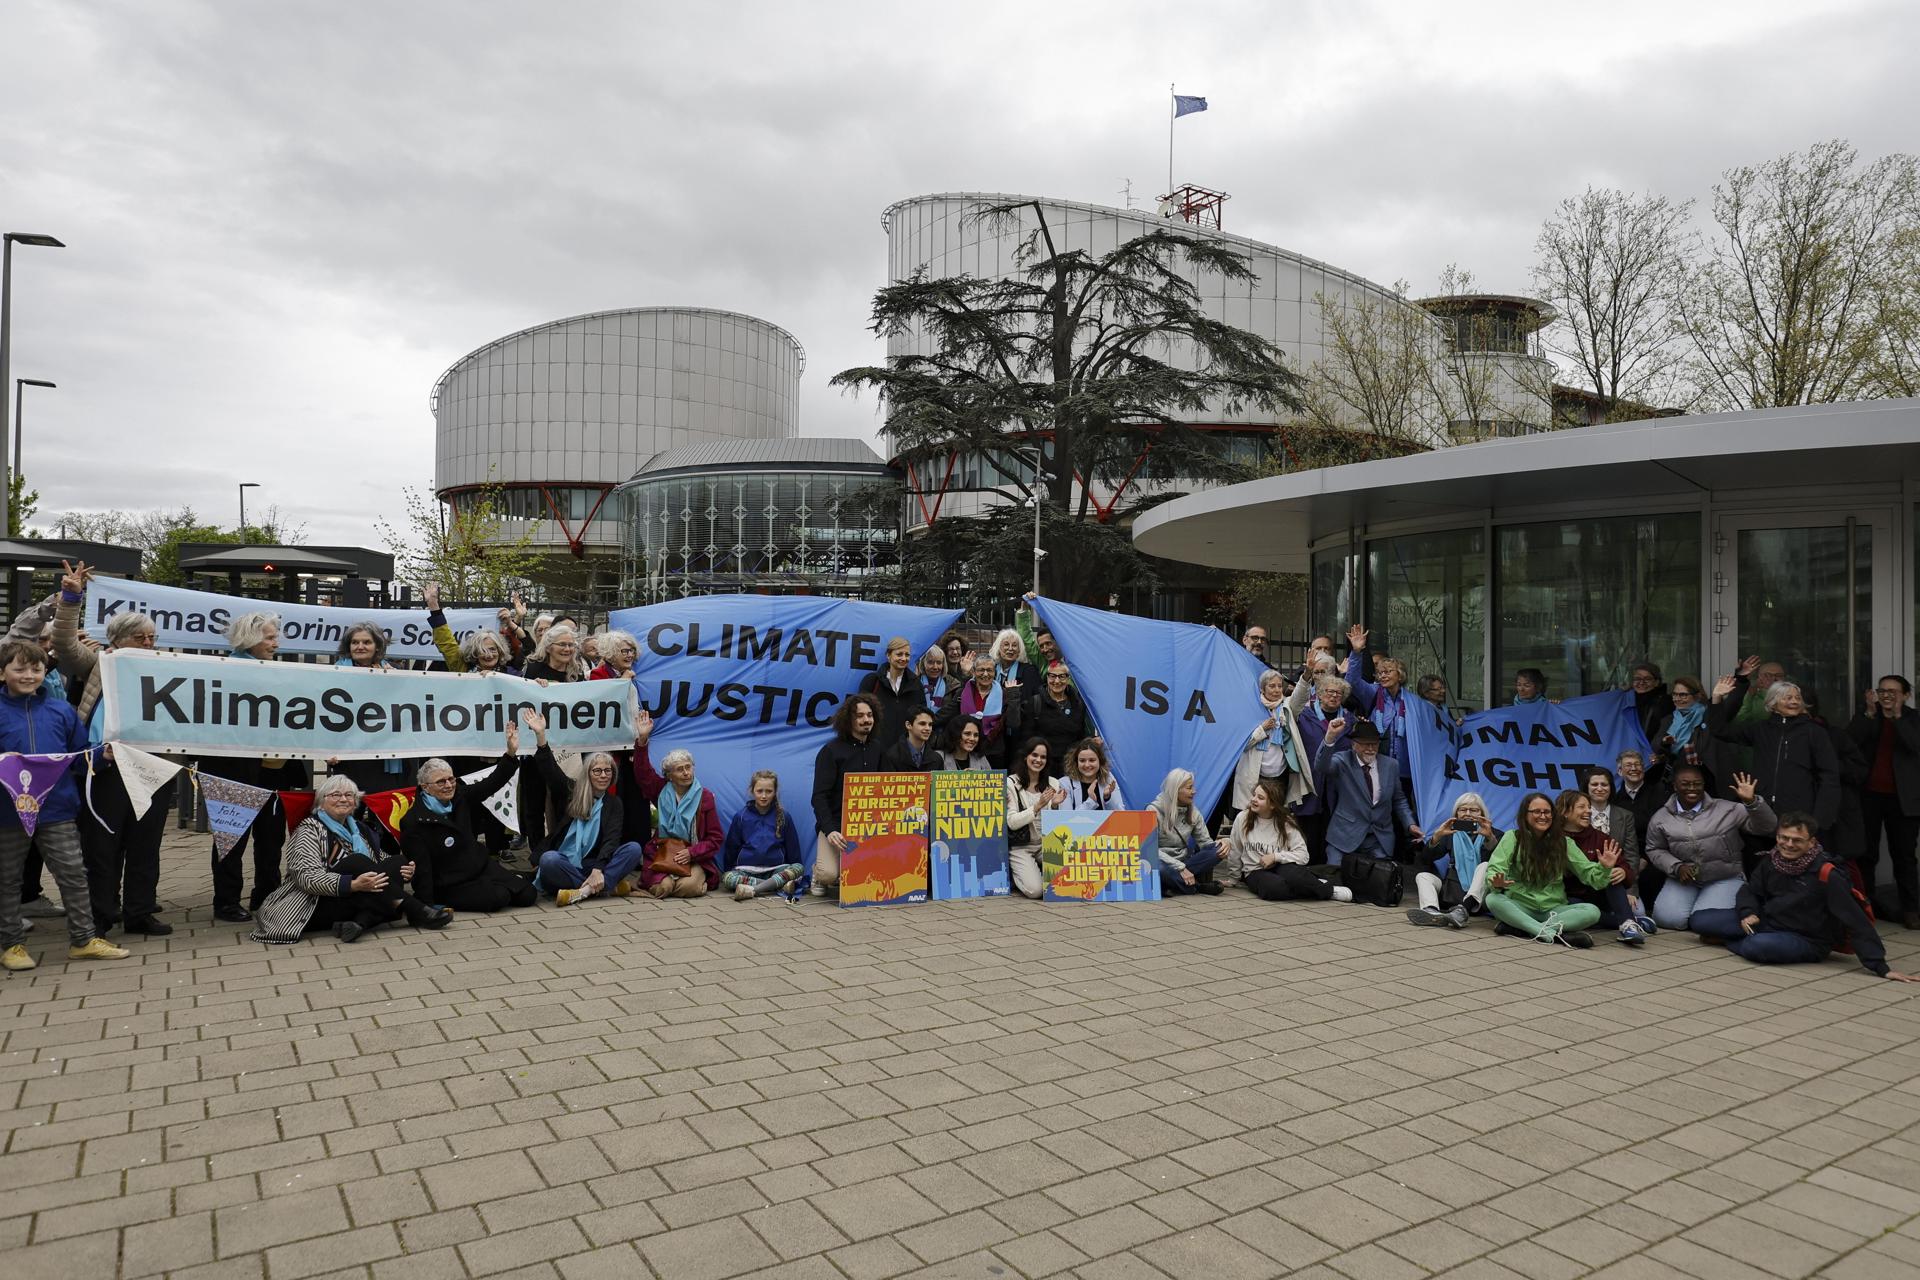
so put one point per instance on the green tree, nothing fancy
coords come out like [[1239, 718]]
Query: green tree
[[472, 550], [22, 503], [1091, 357]]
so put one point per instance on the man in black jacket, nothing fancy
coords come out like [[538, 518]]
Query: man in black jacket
[[854, 749], [1888, 736]]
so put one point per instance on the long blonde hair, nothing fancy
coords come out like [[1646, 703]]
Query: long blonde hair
[[580, 803]]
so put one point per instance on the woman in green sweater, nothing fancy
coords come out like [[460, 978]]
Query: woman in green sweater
[[1528, 873]]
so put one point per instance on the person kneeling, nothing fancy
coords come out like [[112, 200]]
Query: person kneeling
[[1187, 856], [1270, 854], [1528, 879], [680, 861], [584, 855], [1796, 907], [438, 836], [762, 847], [1452, 875], [336, 879]]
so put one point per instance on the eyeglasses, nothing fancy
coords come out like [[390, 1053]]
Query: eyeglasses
[[1537, 812], [1643, 678]]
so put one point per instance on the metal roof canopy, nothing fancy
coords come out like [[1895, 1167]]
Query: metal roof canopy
[[48, 553], [258, 559], [1268, 524], [843, 452]]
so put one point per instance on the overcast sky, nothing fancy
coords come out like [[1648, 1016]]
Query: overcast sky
[[285, 220]]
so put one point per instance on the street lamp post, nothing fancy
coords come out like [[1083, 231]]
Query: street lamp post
[[244, 486], [7, 241], [1039, 553], [20, 417]]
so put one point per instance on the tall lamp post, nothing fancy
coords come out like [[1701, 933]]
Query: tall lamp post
[[1039, 553], [20, 417], [244, 486], [7, 241]]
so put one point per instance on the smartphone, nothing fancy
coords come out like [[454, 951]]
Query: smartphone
[[1466, 826]]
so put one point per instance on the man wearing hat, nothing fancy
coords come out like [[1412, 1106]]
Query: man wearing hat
[[1362, 790]]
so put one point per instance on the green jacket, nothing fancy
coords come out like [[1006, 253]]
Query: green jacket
[[1552, 895]]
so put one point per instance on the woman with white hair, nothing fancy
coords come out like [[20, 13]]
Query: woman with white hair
[[584, 854], [1793, 756], [1451, 865], [937, 681], [683, 857], [336, 879], [122, 851], [555, 660], [364, 645], [441, 837], [1187, 856], [255, 637], [1011, 666], [618, 652], [1275, 748], [481, 649]]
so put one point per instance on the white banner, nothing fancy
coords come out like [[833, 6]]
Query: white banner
[[184, 619]]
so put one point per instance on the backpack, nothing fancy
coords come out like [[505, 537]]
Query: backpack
[[1853, 887], [1375, 880]]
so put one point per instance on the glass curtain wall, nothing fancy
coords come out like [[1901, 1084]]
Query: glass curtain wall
[[1336, 576], [1427, 606]]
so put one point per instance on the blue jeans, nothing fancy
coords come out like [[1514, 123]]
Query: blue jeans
[[1678, 901], [1763, 946], [556, 873], [1200, 862]]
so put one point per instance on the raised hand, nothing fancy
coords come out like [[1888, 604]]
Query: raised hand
[[1336, 727], [1722, 687], [431, 594], [1748, 665], [1610, 854], [534, 721], [513, 740], [1746, 786], [643, 726], [1356, 636], [73, 578]]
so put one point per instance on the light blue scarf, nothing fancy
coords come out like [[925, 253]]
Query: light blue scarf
[[347, 833], [435, 804], [1686, 723], [1466, 857], [678, 813], [583, 835]]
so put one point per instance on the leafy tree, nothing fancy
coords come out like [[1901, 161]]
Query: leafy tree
[[22, 503], [470, 549], [1090, 356]]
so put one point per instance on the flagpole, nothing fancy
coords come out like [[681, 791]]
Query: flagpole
[[1172, 107]]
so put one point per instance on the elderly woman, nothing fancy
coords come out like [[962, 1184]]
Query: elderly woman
[[583, 854], [1384, 699], [1275, 749], [440, 837], [1451, 865], [937, 683], [555, 660], [255, 637], [897, 689], [960, 656], [1652, 704], [1529, 686], [1011, 666], [1057, 713], [556, 657], [1793, 756], [997, 707], [618, 652], [364, 645], [1187, 856], [122, 851], [336, 879], [683, 858]]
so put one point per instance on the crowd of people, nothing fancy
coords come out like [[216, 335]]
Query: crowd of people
[[1752, 822]]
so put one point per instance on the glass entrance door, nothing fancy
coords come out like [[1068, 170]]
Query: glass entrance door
[[1812, 592]]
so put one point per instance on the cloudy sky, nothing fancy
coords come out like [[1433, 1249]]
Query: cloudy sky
[[285, 220]]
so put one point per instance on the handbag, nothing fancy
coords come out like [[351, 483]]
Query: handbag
[[1375, 880], [665, 860]]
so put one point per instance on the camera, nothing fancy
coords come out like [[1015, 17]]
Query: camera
[[1467, 827]]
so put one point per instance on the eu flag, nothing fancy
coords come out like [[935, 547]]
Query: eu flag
[[1186, 106]]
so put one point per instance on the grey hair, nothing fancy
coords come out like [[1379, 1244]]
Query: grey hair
[[558, 631], [249, 629], [1635, 752], [614, 639], [430, 767], [1001, 639], [1271, 675], [580, 803], [1323, 663], [1333, 682], [122, 625], [675, 758], [470, 647], [1777, 692], [1469, 797], [335, 782]]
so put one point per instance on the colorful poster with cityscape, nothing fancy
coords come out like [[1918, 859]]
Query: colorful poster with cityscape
[[884, 818], [1088, 856], [970, 834]]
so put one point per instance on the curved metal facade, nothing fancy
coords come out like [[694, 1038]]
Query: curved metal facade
[[562, 412]]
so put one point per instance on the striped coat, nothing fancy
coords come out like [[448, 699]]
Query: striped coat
[[283, 916]]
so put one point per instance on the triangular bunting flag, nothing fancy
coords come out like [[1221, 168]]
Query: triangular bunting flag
[[390, 807], [28, 779], [296, 805], [501, 803], [143, 774], [231, 809]]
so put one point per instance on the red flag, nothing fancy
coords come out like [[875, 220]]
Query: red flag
[[390, 807], [296, 805]]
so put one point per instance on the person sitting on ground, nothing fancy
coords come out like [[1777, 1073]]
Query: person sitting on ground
[[1030, 796], [1798, 907], [1793, 756], [1451, 874], [682, 858], [897, 689], [1361, 789], [1267, 853], [915, 752], [852, 750], [1056, 713], [33, 720], [1187, 856], [582, 855], [1526, 883], [1619, 908], [337, 880], [440, 836], [997, 707], [1695, 842], [963, 746], [762, 850], [1089, 782]]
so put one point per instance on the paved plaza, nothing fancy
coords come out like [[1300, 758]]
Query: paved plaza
[[1209, 1088]]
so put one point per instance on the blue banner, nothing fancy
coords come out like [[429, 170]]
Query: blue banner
[[752, 682], [1166, 695], [1505, 752]]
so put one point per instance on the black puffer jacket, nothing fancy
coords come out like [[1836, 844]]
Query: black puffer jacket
[[443, 850], [836, 760], [1792, 758], [894, 707]]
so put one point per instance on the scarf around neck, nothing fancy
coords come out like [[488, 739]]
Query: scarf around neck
[[1797, 866], [1686, 723], [1466, 856], [348, 834], [435, 804], [679, 812]]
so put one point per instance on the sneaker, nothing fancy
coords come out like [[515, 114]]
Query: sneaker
[[98, 949], [1212, 888], [16, 959], [567, 897], [438, 918], [817, 889], [1342, 894], [347, 931], [1427, 916], [151, 926], [743, 892], [626, 887], [1549, 934], [233, 913], [45, 908], [1630, 933], [1647, 926], [1457, 917], [1577, 940], [1501, 929]]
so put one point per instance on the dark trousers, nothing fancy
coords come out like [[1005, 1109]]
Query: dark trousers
[[267, 835], [1286, 880], [123, 864], [1882, 813], [30, 886], [490, 893], [533, 807], [1200, 862], [1762, 946], [1313, 829], [368, 910]]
